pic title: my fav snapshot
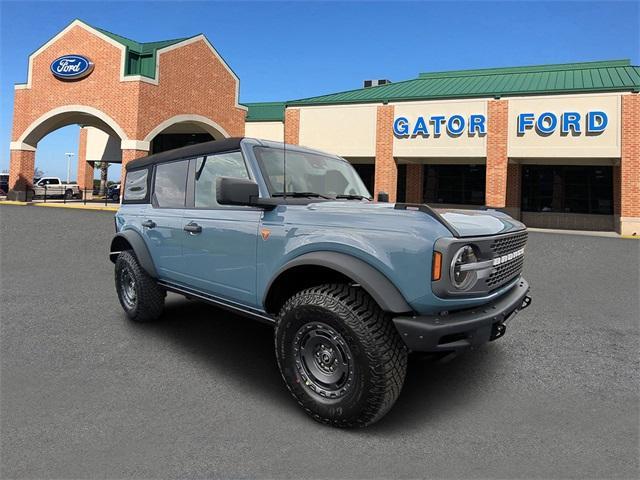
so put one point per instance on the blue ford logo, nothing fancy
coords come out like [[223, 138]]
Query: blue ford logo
[[71, 67]]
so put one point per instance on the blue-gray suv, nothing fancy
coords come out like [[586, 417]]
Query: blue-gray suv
[[291, 236]]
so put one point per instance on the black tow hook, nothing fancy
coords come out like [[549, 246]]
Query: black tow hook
[[497, 331]]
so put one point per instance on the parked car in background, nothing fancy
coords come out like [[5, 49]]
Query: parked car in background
[[351, 286], [4, 183], [54, 187], [114, 192]]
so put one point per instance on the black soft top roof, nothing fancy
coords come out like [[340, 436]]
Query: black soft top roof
[[215, 146]]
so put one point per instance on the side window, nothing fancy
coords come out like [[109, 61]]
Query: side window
[[211, 167], [135, 186], [170, 186], [54, 181]]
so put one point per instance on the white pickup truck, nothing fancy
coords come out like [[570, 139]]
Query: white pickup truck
[[54, 187]]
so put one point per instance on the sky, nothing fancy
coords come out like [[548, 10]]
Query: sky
[[289, 50]]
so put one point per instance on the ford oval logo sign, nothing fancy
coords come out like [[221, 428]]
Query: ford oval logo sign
[[71, 67]]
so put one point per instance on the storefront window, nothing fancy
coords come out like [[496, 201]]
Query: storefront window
[[567, 189], [455, 184]]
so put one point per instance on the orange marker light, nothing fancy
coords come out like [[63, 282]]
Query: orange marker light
[[436, 270]]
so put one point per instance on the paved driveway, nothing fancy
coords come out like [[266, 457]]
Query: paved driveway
[[85, 393]]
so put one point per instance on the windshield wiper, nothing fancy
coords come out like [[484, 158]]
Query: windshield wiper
[[353, 197], [301, 194]]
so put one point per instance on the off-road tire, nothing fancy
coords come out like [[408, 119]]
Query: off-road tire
[[375, 350], [148, 303]]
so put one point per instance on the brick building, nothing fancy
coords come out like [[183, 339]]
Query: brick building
[[555, 145]]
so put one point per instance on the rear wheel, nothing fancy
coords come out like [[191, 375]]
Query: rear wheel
[[68, 194], [139, 294], [340, 355]]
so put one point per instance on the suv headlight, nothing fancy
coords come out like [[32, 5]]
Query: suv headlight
[[463, 270]]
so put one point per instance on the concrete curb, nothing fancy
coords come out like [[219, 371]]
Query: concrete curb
[[74, 206], [77, 207]]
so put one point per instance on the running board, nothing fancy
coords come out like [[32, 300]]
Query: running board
[[218, 302]]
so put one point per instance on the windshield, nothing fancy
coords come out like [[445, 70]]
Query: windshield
[[310, 174]]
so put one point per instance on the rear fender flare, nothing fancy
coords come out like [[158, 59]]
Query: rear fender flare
[[139, 247]]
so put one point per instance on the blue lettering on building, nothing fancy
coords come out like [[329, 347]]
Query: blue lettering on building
[[546, 123], [425, 126], [596, 122]]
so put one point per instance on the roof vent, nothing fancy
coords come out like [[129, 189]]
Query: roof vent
[[375, 83]]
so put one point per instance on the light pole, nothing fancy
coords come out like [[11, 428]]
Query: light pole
[[69, 155]]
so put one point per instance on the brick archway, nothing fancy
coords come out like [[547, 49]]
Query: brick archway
[[68, 115], [23, 150], [134, 92]]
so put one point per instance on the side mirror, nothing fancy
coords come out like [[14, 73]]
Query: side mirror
[[236, 191]]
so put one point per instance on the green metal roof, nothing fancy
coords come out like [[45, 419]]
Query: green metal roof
[[615, 75], [265, 112], [140, 57]]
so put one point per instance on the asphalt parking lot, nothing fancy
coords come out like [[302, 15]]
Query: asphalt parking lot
[[87, 394]]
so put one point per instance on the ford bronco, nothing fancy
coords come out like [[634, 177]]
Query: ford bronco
[[291, 236]]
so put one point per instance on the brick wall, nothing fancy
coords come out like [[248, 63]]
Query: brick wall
[[386, 170], [85, 169], [630, 161], [21, 168], [414, 183], [292, 126], [497, 158], [514, 185]]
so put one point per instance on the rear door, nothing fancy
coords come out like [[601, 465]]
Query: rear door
[[162, 221], [220, 241]]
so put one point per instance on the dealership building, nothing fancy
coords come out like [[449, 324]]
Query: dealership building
[[557, 146]]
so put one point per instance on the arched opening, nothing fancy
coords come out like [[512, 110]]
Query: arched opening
[[182, 130], [70, 115], [68, 156]]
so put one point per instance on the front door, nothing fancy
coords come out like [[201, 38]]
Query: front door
[[219, 241]]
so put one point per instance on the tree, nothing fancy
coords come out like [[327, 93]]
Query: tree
[[38, 173], [104, 168]]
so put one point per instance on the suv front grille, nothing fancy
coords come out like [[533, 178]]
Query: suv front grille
[[511, 268], [505, 245]]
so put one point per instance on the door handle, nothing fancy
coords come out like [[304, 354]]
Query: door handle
[[193, 228], [149, 224]]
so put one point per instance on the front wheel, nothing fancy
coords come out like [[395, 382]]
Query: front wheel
[[140, 296], [340, 355]]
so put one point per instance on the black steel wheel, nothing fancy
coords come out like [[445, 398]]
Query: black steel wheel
[[323, 359], [139, 294], [340, 355]]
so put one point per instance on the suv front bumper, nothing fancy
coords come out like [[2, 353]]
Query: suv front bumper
[[466, 328]]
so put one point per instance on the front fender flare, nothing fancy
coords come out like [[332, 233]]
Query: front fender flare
[[385, 293], [139, 247]]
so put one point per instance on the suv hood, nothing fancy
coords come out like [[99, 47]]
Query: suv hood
[[467, 223], [476, 223]]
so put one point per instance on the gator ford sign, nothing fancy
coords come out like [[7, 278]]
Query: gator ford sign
[[544, 124], [71, 67]]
